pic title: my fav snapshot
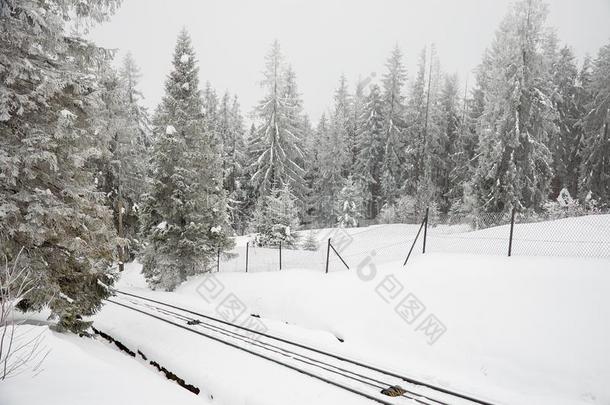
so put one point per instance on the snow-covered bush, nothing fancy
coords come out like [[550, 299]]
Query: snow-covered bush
[[20, 350], [566, 206], [403, 211], [310, 242]]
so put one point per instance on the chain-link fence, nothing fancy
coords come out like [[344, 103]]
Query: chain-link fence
[[573, 234]]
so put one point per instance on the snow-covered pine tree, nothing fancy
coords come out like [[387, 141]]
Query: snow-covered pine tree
[[278, 144], [415, 113], [349, 204], [210, 109], [514, 163], [184, 215], [50, 210], [130, 75], [371, 141], [448, 152], [596, 162], [569, 98], [122, 171], [355, 117], [231, 133], [332, 156], [340, 126], [249, 190], [276, 220], [320, 202], [422, 134], [393, 173]]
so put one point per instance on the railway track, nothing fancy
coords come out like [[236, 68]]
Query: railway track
[[365, 380]]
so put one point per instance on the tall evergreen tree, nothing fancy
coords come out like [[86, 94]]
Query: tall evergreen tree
[[515, 164], [332, 155], [231, 133], [416, 111], [52, 218], [447, 145], [596, 162], [124, 122], [129, 75], [278, 142], [394, 123], [355, 115], [340, 126], [569, 98], [185, 211], [371, 141]]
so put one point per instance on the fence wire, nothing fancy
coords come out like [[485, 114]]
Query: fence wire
[[575, 235], [570, 235]]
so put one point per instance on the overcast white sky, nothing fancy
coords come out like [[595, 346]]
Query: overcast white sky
[[323, 38]]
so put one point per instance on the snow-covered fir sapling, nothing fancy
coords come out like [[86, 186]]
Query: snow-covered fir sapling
[[310, 242], [275, 219], [349, 204]]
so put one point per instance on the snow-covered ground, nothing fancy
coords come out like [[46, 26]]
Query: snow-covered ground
[[81, 371], [519, 330]]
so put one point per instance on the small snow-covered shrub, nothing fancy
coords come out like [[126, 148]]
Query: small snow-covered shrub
[[310, 242], [275, 220]]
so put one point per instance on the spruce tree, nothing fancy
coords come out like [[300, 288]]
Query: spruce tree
[[185, 211], [596, 162], [355, 118], [278, 143], [394, 126], [415, 115], [447, 148], [323, 193], [332, 155], [52, 218], [569, 98], [123, 169], [231, 132], [371, 143], [514, 167]]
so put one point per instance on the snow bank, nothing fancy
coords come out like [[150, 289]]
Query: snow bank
[[81, 371]]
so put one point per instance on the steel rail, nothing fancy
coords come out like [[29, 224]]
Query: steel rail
[[417, 397], [336, 356], [310, 374]]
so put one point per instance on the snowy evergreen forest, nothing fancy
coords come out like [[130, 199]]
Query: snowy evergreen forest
[[90, 179]]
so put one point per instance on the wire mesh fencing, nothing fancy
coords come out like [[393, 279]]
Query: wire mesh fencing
[[572, 234], [580, 234]]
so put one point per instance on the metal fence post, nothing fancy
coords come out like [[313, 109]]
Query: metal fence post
[[425, 229], [338, 255], [414, 241], [247, 251], [327, 254], [512, 226], [280, 255]]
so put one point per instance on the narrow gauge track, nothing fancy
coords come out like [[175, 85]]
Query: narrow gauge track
[[351, 375]]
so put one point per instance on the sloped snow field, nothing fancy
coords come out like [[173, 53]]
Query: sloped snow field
[[518, 330]]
